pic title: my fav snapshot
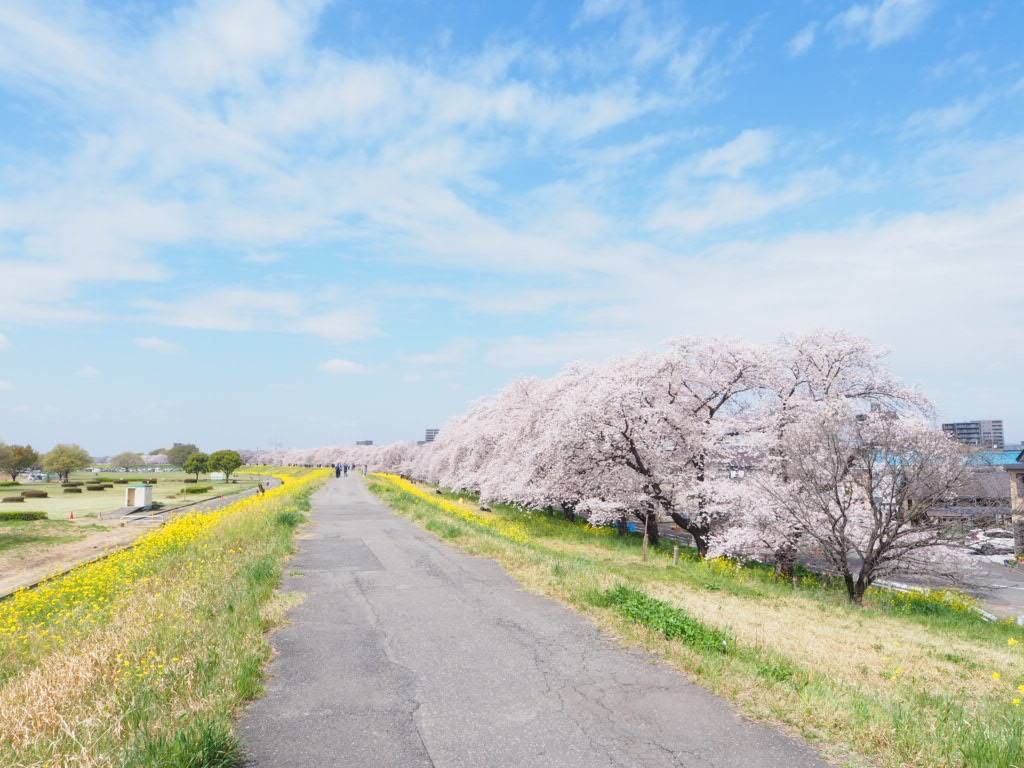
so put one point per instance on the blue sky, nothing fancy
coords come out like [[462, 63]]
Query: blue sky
[[265, 222]]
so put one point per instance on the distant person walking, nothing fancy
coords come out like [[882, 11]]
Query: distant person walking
[[337, 471], [344, 468]]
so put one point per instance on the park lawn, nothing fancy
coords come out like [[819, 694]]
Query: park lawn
[[145, 657], [16, 534], [900, 682], [167, 491]]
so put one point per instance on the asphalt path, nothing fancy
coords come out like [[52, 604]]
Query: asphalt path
[[407, 652]]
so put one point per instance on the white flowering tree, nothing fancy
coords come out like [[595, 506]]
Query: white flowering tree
[[858, 487], [666, 427], [820, 367]]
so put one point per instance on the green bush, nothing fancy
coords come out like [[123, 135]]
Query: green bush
[[22, 514], [70, 484], [8, 483], [103, 480], [190, 480], [94, 488], [34, 494], [72, 489], [121, 482], [198, 489], [11, 499]]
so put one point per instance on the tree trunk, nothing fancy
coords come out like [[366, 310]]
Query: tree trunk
[[855, 588], [851, 590], [699, 533], [785, 563], [651, 528], [700, 541]]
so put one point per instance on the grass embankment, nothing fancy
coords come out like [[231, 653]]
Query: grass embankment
[[142, 659], [904, 681]]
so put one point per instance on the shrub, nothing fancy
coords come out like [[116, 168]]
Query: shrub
[[34, 494], [121, 482], [11, 499], [150, 481], [190, 480], [8, 483], [103, 480], [22, 514], [72, 489], [198, 489], [94, 488], [72, 484]]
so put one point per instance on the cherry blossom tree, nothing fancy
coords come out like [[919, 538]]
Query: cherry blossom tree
[[858, 488], [713, 434], [824, 366], [665, 429]]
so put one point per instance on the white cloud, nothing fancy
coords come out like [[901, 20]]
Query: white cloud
[[156, 344], [339, 366], [450, 354], [227, 309], [263, 257], [4, 342], [802, 41], [249, 309], [732, 203], [884, 22], [750, 148], [243, 88], [339, 325], [5, 386], [948, 118], [90, 372], [893, 279], [529, 352]]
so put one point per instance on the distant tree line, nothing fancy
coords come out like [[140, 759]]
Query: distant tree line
[[66, 458]]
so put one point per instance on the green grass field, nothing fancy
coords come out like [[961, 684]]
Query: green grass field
[[19, 533], [167, 491], [904, 681]]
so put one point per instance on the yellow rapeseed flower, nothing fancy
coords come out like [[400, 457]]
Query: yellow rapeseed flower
[[1012, 641], [91, 590], [997, 676]]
